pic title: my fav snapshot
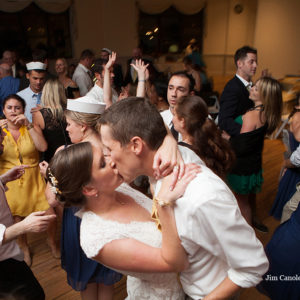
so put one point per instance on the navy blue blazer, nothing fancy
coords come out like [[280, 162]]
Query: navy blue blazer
[[234, 101]]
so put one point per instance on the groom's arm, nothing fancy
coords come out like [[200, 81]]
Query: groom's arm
[[225, 290]]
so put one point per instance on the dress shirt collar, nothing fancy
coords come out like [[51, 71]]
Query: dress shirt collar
[[171, 121], [245, 82], [32, 92]]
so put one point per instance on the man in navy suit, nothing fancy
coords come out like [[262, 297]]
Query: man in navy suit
[[235, 100]]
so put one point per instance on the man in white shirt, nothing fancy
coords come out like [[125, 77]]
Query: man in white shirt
[[223, 251], [180, 84], [82, 75], [32, 94], [98, 70]]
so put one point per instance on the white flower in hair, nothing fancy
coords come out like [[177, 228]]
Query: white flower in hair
[[53, 182], [53, 189]]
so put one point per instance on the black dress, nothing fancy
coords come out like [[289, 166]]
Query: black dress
[[69, 91], [54, 132], [246, 174]]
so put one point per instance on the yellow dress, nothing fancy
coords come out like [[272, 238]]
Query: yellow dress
[[27, 194]]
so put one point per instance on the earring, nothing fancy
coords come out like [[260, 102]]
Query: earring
[[96, 195]]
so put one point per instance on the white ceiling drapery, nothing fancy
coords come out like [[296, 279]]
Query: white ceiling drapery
[[50, 6], [187, 7]]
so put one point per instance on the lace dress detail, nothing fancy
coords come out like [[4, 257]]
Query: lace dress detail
[[96, 232]]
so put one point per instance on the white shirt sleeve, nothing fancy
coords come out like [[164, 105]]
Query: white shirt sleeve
[[2, 231], [295, 157], [225, 234]]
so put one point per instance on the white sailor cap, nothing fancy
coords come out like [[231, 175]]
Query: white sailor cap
[[106, 50], [35, 65], [86, 104]]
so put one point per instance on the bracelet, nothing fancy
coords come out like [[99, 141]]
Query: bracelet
[[142, 80], [162, 203], [29, 126]]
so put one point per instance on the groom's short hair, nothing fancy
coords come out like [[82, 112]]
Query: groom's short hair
[[134, 116]]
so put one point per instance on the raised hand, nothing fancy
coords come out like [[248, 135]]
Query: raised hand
[[111, 60], [141, 69]]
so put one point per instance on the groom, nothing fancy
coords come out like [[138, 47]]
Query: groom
[[223, 251]]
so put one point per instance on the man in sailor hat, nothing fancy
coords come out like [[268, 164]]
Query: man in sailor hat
[[32, 94]]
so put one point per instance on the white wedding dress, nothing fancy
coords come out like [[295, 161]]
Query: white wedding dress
[[95, 232]]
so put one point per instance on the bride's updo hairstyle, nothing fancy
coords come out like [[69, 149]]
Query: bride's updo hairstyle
[[207, 141], [69, 171], [83, 118]]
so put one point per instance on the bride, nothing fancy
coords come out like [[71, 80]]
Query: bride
[[117, 229]]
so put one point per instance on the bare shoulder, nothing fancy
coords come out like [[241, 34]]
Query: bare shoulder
[[59, 148], [250, 121], [250, 116], [37, 119]]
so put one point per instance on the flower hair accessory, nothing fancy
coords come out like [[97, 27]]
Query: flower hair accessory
[[54, 183]]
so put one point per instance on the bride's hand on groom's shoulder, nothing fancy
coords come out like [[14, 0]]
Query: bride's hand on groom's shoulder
[[170, 196]]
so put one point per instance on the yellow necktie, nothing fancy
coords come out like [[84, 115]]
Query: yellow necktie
[[154, 215]]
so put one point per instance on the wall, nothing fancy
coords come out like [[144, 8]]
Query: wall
[[277, 36], [227, 31], [269, 25], [105, 23], [87, 24]]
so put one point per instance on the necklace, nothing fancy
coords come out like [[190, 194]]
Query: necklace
[[259, 107]]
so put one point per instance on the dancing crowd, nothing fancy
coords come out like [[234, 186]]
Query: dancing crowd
[[145, 182]]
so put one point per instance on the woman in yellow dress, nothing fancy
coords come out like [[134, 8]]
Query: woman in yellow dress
[[22, 144]]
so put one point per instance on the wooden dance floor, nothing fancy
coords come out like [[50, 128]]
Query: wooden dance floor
[[53, 278]]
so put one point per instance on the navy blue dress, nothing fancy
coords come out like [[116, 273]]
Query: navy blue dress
[[287, 185], [282, 281], [80, 269]]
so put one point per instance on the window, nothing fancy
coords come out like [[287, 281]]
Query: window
[[34, 28], [170, 28]]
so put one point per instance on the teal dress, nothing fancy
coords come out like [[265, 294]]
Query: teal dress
[[246, 175]]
